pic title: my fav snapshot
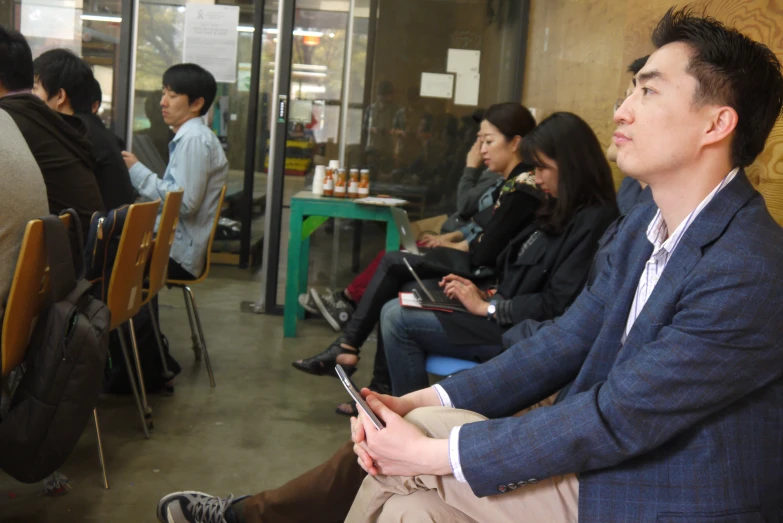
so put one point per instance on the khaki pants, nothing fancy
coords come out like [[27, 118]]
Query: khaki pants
[[388, 499]]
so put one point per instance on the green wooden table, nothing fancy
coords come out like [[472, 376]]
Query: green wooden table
[[308, 212]]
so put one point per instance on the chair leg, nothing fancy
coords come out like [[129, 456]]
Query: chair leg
[[167, 374], [100, 448], [192, 298], [145, 405], [193, 335], [124, 347]]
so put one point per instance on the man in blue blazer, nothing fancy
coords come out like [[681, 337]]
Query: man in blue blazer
[[676, 350]]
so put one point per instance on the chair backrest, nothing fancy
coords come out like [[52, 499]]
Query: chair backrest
[[161, 249], [28, 295], [209, 245], [127, 276]]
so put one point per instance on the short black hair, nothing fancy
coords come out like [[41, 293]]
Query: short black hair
[[732, 70], [62, 69], [16, 61], [584, 176], [637, 65], [96, 93], [193, 81]]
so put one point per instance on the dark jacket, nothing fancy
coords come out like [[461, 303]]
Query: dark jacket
[[540, 276], [110, 170], [63, 154], [515, 209], [681, 421]]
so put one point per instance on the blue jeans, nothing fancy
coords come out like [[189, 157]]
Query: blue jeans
[[409, 335]]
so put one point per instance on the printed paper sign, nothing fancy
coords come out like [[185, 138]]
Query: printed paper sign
[[211, 39]]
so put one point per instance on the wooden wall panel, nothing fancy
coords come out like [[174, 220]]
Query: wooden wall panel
[[578, 52]]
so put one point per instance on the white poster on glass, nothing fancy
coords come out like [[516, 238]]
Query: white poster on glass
[[50, 18], [462, 61], [467, 90], [211, 39], [435, 85]]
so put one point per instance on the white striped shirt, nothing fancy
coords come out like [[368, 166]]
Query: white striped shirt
[[663, 248]]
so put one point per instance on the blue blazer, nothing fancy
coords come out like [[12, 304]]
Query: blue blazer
[[682, 423]]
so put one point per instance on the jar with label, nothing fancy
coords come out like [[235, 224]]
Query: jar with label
[[353, 184], [329, 182], [340, 185], [364, 184]]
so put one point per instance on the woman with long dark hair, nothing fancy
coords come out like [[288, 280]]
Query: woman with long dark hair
[[502, 132], [541, 271]]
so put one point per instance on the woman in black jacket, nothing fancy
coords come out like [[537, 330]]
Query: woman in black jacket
[[541, 271], [502, 130]]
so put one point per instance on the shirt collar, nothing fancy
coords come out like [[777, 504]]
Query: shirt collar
[[657, 230], [187, 127]]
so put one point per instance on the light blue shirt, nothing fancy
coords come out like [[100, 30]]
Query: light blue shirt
[[198, 165]]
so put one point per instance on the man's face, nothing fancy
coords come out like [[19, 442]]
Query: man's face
[[611, 151], [175, 108], [659, 129], [41, 93]]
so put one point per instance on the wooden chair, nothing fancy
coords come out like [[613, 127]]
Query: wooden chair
[[159, 264], [125, 291], [26, 301], [190, 300]]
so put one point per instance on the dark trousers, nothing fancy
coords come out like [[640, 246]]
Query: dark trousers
[[176, 272], [385, 285], [323, 494]]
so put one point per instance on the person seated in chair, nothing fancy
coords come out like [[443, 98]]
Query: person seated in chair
[[62, 152], [65, 83], [197, 165]]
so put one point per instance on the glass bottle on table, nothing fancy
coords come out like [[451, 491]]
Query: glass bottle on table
[[329, 181], [341, 184], [353, 184]]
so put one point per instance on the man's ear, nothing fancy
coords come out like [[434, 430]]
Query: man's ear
[[62, 98], [197, 105], [723, 122]]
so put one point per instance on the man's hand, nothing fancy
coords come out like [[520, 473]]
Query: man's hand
[[473, 298], [400, 449], [474, 158], [130, 159]]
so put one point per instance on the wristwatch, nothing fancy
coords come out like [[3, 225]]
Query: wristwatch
[[493, 306]]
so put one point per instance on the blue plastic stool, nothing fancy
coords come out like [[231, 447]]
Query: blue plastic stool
[[445, 366]]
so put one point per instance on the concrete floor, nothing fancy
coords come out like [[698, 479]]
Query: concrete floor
[[262, 425]]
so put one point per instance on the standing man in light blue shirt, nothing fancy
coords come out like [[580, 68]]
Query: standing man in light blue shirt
[[197, 165]]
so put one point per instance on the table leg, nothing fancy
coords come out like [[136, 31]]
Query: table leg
[[357, 245], [392, 235], [293, 277], [304, 270]]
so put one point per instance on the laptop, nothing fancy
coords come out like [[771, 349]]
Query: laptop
[[407, 240], [434, 297]]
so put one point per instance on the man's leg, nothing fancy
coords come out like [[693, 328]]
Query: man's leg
[[324, 494], [409, 335], [554, 500]]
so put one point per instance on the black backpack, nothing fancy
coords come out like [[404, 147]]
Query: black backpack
[[63, 366]]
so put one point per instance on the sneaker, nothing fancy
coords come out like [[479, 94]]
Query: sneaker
[[334, 308], [196, 507], [307, 302]]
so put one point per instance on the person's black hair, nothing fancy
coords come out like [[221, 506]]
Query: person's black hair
[[637, 65], [62, 69], [731, 69], [96, 93], [511, 119], [584, 176], [16, 61], [193, 81]]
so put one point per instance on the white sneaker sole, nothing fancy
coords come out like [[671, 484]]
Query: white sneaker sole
[[302, 299], [324, 311]]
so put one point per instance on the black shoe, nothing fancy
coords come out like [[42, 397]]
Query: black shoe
[[323, 363]]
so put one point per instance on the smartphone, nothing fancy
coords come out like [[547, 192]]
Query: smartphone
[[349, 386]]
